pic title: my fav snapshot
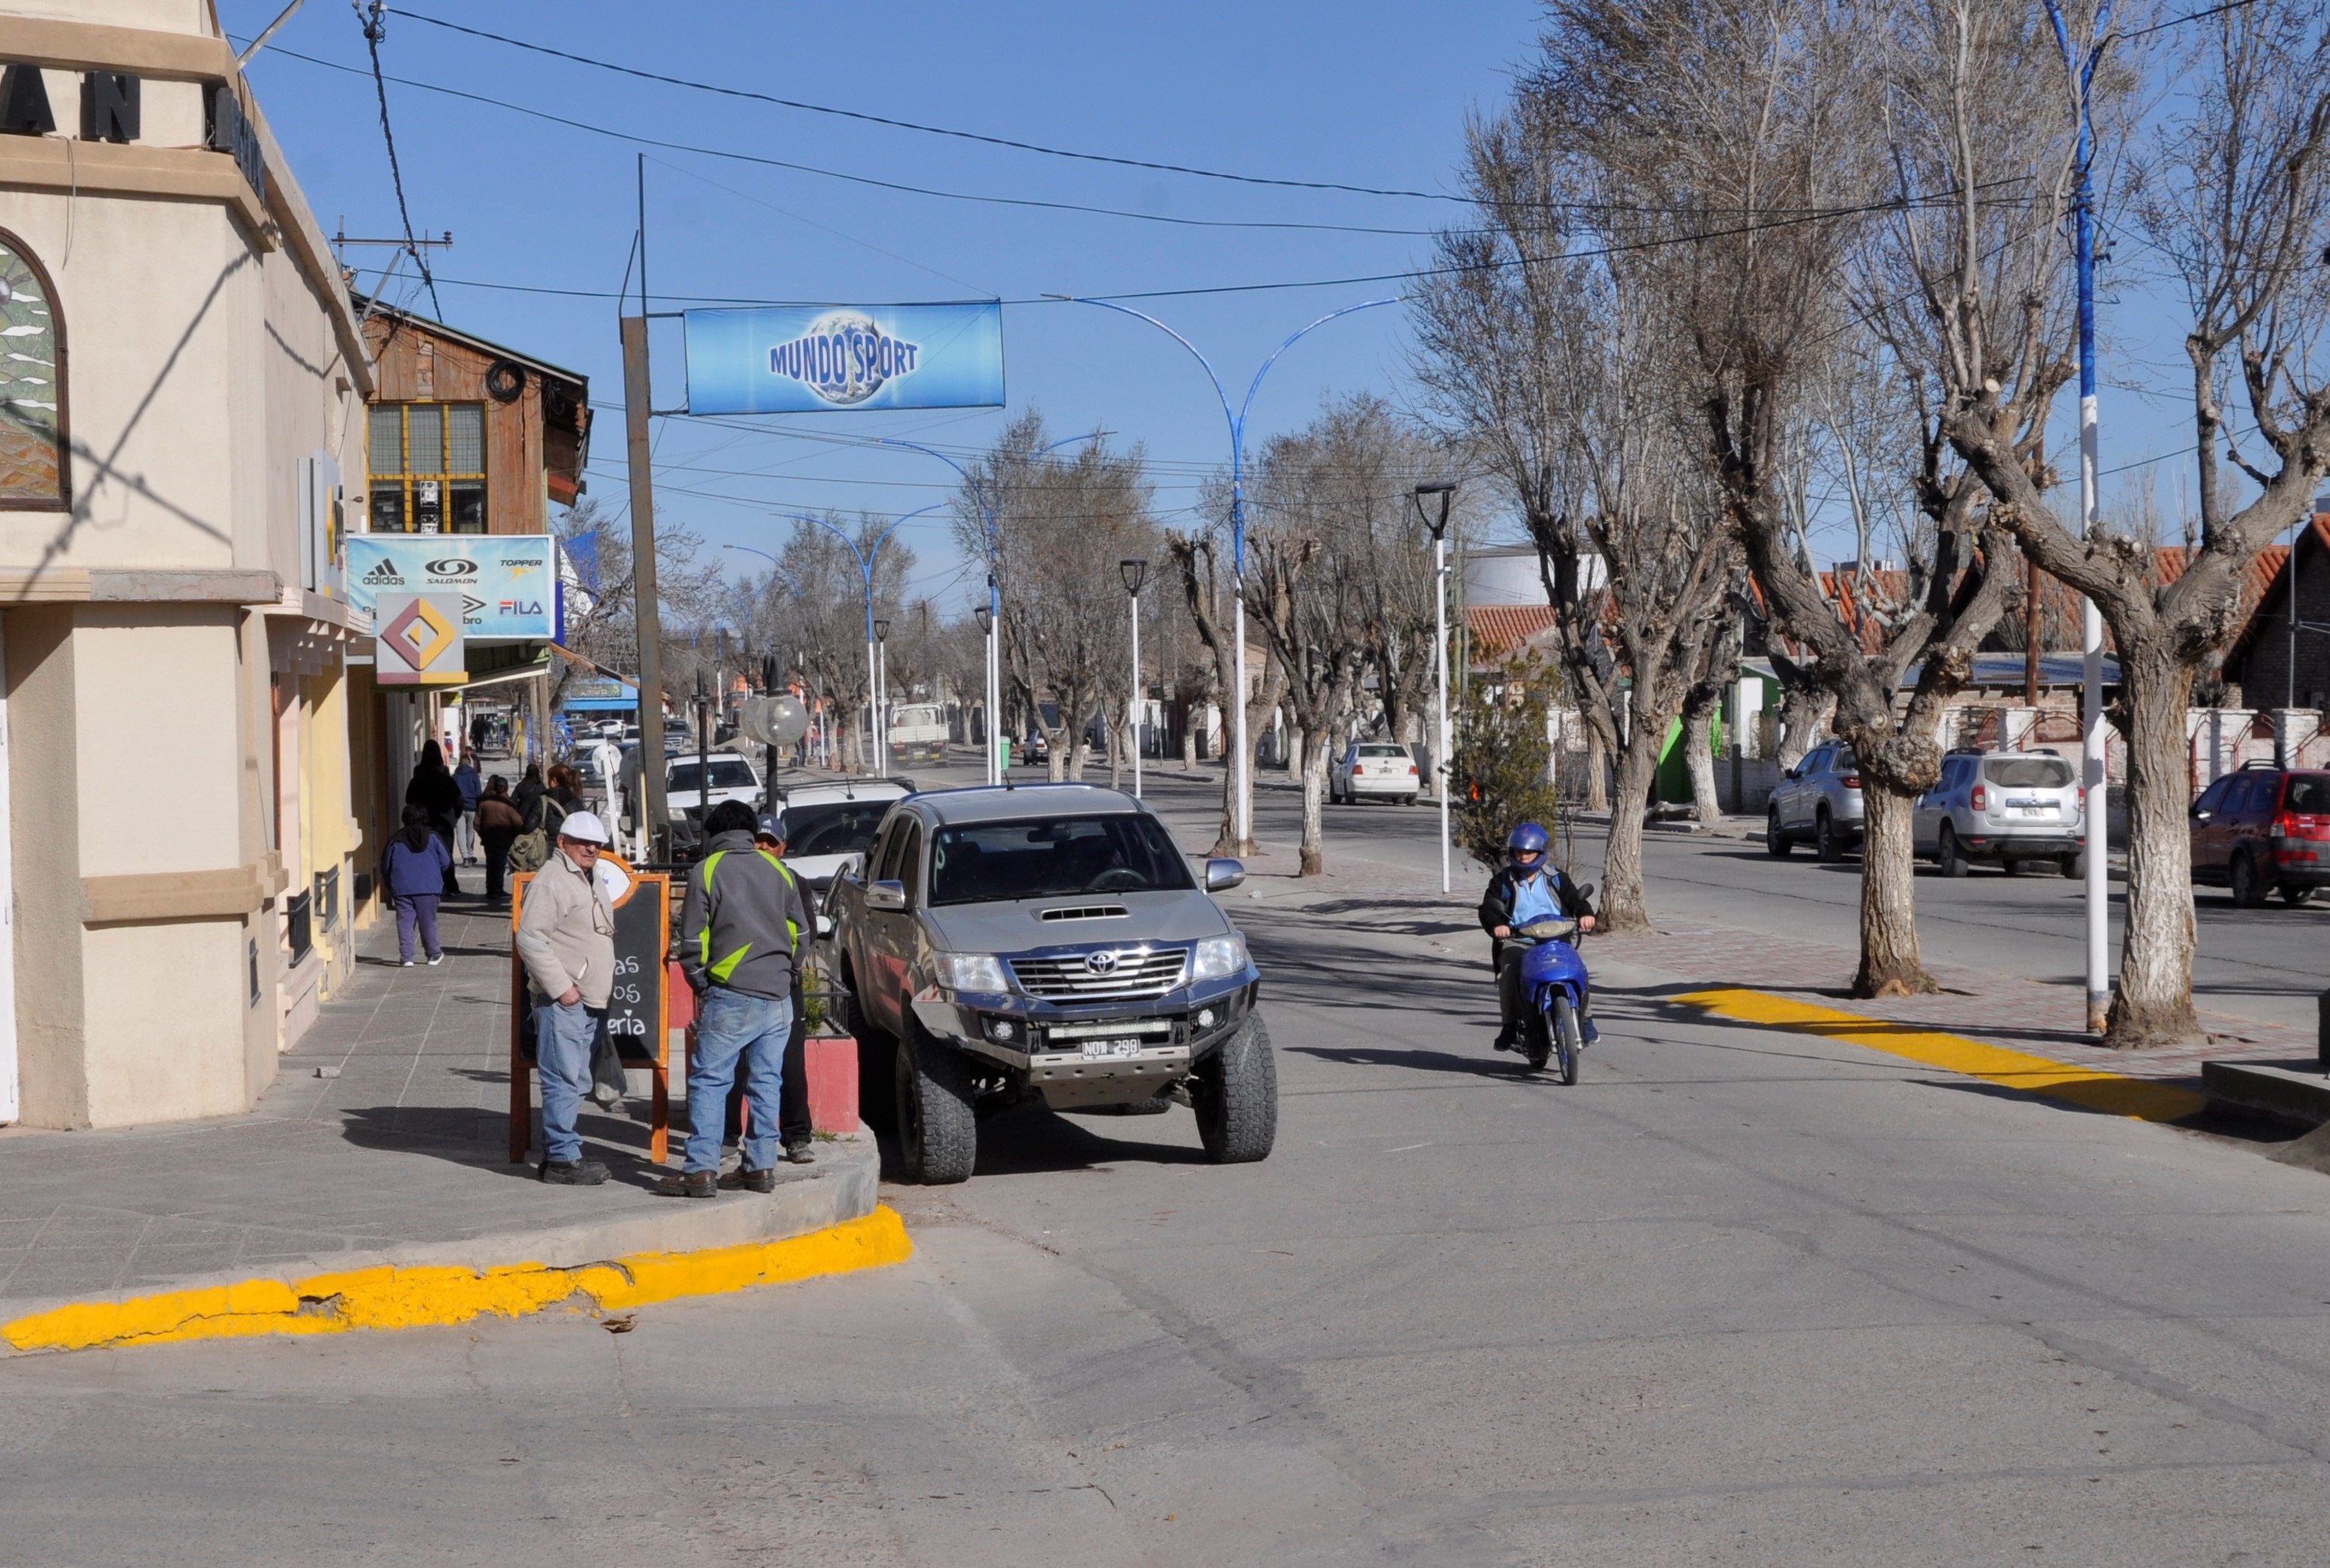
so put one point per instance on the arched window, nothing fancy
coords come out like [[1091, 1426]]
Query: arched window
[[35, 474]]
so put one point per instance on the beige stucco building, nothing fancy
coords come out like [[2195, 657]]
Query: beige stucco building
[[182, 389]]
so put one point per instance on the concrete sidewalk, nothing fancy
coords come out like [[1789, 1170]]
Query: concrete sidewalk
[[399, 1157]]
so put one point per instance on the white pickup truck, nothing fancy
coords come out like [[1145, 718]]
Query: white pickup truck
[[918, 733]]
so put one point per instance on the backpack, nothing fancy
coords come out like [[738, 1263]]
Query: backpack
[[531, 851]]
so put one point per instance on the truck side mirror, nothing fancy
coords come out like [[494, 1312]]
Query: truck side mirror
[[887, 895], [1221, 875]]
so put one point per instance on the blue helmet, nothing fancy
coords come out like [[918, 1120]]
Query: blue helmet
[[1529, 838]]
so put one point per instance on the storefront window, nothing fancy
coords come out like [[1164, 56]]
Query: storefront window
[[33, 471], [427, 469]]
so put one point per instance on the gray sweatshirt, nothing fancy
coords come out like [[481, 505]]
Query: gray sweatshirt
[[743, 923]]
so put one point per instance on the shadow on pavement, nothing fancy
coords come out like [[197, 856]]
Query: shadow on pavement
[[1505, 1067], [476, 1139]]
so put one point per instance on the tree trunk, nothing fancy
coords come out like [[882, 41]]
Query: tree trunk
[[1698, 758], [1805, 712], [1624, 905], [1890, 962], [1314, 815], [1294, 739], [1189, 747], [1055, 756], [2154, 1003], [1597, 771], [1079, 759]]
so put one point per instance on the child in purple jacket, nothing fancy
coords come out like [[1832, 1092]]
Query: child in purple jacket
[[415, 867]]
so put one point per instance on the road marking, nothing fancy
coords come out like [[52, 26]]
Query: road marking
[[391, 1297], [2109, 1092]]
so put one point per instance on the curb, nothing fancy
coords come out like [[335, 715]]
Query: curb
[[2087, 1087], [826, 1223], [2298, 1100]]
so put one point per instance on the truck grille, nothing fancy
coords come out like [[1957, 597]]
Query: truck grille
[[1107, 975]]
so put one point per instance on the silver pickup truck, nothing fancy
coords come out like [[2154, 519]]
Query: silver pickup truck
[[1050, 942]]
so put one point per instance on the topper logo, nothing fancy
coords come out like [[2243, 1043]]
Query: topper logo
[[844, 358]]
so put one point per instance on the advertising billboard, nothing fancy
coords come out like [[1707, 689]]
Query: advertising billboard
[[418, 640], [805, 359], [508, 587]]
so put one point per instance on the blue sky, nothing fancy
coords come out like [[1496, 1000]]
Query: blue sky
[[1371, 93], [1368, 92]]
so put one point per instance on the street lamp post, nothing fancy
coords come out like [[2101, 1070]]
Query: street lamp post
[[1438, 527], [1135, 572], [985, 615], [1243, 789], [990, 513], [881, 697], [866, 559], [2081, 65]]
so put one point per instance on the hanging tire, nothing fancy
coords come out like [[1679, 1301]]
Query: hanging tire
[[938, 1131], [1235, 1092], [1825, 846], [1776, 843], [1951, 855], [1565, 1040], [2249, 892]]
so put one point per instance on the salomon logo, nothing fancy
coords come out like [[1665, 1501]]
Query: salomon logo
[[453, 566], [384, 575]]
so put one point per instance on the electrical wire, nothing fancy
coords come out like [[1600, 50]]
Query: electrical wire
[[374, 30]]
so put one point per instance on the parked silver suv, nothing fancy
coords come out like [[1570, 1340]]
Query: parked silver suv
[[1817, 799], [2005, 807], [1050, 942]]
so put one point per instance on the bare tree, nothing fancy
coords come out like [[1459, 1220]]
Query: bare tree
[[2235, 195]]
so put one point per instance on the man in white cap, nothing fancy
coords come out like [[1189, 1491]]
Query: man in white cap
[[566, 938]]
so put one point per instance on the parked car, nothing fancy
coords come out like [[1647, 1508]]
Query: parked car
[[1381, 768], [1818, 799], [730, 777], [918, 733], [2004, 807], [828, 826], [2262, 829], [1050, 942]]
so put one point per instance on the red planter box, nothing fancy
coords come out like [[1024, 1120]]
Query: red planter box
[[832, 1062]]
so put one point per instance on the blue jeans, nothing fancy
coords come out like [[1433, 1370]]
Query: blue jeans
[[731, 1026], [562, 1038]]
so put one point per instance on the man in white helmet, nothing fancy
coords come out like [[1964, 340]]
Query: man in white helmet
[[566, 940]]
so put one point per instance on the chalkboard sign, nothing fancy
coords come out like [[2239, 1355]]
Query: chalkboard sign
[[638, 1002]]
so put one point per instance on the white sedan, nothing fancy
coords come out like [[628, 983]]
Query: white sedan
[[1373, 767]]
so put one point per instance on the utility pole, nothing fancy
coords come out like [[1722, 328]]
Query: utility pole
[[645, 604], [1445, 492]]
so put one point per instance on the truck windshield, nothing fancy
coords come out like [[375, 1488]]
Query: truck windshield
[[990, 861]]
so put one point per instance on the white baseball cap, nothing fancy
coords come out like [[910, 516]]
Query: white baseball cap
[[583, 828]]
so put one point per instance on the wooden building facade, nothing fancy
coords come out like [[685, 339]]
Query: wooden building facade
[[464, 436]]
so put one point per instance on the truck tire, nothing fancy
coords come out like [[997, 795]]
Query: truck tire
[[1235, 1094], [938, 1131]]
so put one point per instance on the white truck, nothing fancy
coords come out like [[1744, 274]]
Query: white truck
[[918, 733]]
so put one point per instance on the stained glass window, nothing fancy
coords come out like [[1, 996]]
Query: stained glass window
[[32, 469]]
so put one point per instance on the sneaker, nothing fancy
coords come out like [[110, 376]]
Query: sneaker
[[751, 1181], [436, 960], [574, 1173], [799, 1152], [1587, 1033], [1504, 1040], [405, 963], [695, 1184]]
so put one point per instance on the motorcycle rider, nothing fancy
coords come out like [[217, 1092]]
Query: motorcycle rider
[[1527, 889]]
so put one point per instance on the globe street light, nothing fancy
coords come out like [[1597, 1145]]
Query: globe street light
[[1438, 527], [1135, 572]]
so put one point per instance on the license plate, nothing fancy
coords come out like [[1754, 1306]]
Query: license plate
[[2034, 811], [1109, 1050]]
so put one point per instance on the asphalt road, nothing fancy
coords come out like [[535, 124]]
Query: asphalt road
[[1739, 1297]]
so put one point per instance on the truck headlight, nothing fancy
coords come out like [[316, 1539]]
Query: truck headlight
[[1219, 957], [969, 972]]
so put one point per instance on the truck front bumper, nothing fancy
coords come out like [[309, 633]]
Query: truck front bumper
[[1094, 1052]]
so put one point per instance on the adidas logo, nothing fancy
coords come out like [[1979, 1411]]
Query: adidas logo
[[384, 575]]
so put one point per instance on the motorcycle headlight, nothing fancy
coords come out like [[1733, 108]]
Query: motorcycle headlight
[[1219, 957], [969, 972]]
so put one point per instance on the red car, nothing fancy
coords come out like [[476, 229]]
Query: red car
[[2264, 829]]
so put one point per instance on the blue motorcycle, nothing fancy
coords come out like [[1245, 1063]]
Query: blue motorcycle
[[1553, 979]]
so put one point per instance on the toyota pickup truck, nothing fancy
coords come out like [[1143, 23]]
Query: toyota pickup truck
[[1050, 942]]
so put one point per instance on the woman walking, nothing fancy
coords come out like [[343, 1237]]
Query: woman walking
[[414, 867], [433, 790], [500, 822]]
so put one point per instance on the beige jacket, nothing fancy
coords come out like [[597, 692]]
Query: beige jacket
[[565, 935]]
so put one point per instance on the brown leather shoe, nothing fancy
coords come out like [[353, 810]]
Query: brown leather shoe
[[751, 1181], [695, 1184]]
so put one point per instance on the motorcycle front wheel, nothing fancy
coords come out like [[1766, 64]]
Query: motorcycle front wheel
[[1562, 1024]]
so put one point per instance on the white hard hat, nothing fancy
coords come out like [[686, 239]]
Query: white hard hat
[[583, 828]]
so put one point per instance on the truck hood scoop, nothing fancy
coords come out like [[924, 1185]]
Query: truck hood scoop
[[1086, 912]]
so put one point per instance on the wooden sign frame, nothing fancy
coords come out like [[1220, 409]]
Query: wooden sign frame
[[657, 887]]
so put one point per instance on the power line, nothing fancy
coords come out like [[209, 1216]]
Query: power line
[[374, 30], [2194, 17], [862, 116]]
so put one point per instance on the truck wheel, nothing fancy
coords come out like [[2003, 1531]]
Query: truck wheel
[[1235, 1094], [937, 1132]]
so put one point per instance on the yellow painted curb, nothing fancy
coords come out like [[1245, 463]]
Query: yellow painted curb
[[409, 1298], [2086, 1087]]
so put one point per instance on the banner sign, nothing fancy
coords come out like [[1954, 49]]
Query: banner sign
[[507, 588], [804, 359], [599, 694], [418, 640]]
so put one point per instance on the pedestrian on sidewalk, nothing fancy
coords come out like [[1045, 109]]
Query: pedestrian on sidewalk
[[499, 823], [739, 942], [566, 940], [472, 787], [795, 1130], [433, 790], [413, 867]]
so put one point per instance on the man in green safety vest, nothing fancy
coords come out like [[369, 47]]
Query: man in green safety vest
[[741, 931]]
